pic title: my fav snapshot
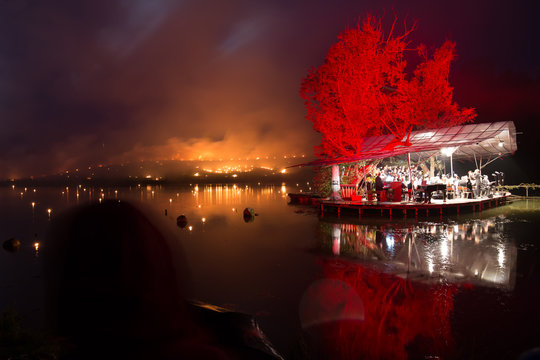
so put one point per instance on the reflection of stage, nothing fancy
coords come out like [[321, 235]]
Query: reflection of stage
[[470, 252]]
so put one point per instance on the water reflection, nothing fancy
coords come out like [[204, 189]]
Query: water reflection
[[387, 291], [473, 251], [379, 290], [358, 312]]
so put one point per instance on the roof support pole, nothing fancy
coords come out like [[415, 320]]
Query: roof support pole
[[410, 176], [451, 168], [480, 168]]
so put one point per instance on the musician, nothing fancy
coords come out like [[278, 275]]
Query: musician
[[379, 186], [477, 183], [485, 185], [471, 182]]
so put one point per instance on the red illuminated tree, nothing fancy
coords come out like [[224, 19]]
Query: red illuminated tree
[[362, 89]]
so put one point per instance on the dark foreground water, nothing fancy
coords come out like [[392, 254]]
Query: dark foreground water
[[464, 287]]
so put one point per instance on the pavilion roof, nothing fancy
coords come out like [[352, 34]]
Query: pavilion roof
[[481, 140]]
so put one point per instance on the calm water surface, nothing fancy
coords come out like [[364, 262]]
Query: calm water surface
[[462, 287]]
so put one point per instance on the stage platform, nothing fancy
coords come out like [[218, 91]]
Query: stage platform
[[401, 209]]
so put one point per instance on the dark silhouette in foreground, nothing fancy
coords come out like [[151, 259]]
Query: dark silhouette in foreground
[[116, 288]]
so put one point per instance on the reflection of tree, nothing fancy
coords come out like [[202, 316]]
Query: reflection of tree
[[401, 318], [357, 241]]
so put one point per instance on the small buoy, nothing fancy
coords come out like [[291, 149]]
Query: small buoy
[[249, 214], [181, 221], [11, 245]]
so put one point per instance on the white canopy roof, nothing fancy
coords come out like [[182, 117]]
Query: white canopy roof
[[466, 141]]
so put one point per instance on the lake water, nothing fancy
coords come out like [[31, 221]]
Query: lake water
[[462, 287]]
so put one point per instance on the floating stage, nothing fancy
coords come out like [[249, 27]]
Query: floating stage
[[401, 209]]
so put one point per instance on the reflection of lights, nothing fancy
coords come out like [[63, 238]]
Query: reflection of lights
[[336, 239], [500, 255], [196, 174], [390, 241], [199, 206], [49, 213], [36, 246], [33, 204], [190, 227], [444, 249], [283, 171], [170, 201], [203, 220]]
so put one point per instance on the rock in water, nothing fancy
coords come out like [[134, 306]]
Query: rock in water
[[181, 221], [12, 245], [249, 214]]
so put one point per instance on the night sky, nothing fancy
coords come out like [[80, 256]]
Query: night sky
[[103, 82]]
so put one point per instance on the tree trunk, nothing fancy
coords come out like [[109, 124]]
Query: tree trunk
[[335, 183]]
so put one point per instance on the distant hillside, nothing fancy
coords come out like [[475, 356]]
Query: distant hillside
[[173, 172]]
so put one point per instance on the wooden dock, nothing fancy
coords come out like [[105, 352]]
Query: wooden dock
[[401, 209]]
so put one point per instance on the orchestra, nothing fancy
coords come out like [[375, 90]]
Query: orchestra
[[416, 186]]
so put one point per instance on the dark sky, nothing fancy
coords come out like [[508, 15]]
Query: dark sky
[[87, 82]]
